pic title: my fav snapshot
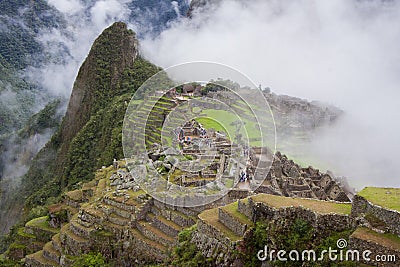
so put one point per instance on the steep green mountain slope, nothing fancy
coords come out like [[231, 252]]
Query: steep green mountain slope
[[92, 125], [90, 133]]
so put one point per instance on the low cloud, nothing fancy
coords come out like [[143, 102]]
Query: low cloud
[[69, 46], [67, 6], [85, 20], [175, 5]]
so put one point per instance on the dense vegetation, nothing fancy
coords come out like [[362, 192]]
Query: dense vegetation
[[186, 254], [47, 118], [97, 144], [91, 260], [17, 151], [21, 145]]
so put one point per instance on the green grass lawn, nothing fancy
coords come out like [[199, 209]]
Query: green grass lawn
[[222, 120], [211, 217], [209, 123], [41, 223], [323, 207], [384, 197], [386, 239], [21, 232], [136, 102], [229, 183]]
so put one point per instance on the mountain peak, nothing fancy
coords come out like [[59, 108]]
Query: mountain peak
[[112, 52]]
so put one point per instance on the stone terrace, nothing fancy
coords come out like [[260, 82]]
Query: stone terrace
[[124, 223], [219, 230], [151, 113], [379, 244], [377, 211]]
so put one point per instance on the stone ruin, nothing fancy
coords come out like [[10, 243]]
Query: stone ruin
[[287, 178], [284, 177], [199, 156], [113, 215], [224, 230], [119, 219]]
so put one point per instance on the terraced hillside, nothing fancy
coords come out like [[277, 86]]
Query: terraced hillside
[[115, 217], [112, 215], [157, 108], [223, 230]]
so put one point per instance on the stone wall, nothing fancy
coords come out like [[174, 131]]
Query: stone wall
[[144, 210], [324, 224], [215, 233], [244, 208], [213, 248], [391, 218], [165, 228], [231, 222], [376, 249], [235, 194], [291, 180], [214, 244]]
